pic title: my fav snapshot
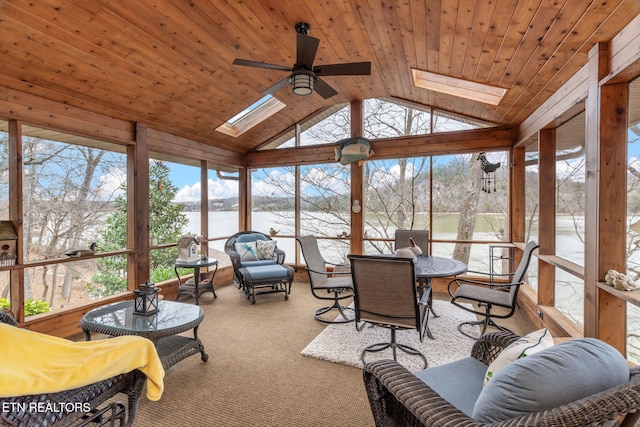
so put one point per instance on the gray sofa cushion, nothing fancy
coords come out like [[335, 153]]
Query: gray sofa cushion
[[553, 377], [458, 382]]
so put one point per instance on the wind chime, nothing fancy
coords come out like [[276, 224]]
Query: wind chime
[[488, 173]]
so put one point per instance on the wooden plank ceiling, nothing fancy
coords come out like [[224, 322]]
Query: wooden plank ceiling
[[168, 63]]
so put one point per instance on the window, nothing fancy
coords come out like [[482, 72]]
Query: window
[[633, 215], [329, 127], [570, 296], [174, 209], [633, 340], [73, 190], [387, 119], [396, 196], [468, 207], [4, 170], [569, 217], [448, 122], [570, 189], [633, 181], [325, 208], [254, 114], [223, 207], [532, 202], [273, 192]]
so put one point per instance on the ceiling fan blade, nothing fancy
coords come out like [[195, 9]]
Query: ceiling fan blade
[[324, 89], [257, 64], [306, 48], [347, 69], [276, 87]]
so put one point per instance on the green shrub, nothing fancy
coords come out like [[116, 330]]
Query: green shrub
[[31, 306]]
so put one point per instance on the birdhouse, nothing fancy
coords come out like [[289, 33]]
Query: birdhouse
[[8, 244], [187, 249]]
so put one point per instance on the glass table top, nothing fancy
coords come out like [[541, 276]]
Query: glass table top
[[197, 263], [120, 315]]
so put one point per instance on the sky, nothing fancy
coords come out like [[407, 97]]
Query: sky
[[187, 179]]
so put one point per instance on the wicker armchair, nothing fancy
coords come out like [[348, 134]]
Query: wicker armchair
[[399, 398], [74, 407], [236, 261]]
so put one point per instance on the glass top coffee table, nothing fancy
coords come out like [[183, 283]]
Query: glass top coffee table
[[161, 328]]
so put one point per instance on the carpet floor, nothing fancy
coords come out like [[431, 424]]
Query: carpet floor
[[256, 374]]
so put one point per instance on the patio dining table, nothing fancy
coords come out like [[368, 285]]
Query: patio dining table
[[428, 267]]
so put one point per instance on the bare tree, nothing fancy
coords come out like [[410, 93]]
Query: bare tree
[[65, 203]]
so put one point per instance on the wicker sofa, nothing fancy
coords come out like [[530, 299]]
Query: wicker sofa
[[79, 406], [400, 398]]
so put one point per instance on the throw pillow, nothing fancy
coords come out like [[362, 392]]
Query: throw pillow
[[525, 346], [555, 376], [265, 248], [247, 251]]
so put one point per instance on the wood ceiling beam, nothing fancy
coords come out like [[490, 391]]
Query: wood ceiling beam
[[410, 146]]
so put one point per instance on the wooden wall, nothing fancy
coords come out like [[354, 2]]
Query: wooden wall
[[599, 88]]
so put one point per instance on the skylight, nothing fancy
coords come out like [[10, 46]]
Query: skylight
[[255, 113], [458, 87]]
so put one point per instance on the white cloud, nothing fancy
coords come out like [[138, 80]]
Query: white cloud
[[326, 180], [218, 189], [268, 186], [408, 173], [222, 189], [188, 193], [110, 183]]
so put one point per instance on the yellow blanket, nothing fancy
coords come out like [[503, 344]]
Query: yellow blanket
[[35, 363]]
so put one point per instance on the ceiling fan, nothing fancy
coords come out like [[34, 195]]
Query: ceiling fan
[[304, 77]]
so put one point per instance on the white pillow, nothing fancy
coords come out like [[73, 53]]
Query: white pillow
[[525, 346], [265, 248], [247, 251]]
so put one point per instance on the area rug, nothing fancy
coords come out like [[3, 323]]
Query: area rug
[[342, 343]]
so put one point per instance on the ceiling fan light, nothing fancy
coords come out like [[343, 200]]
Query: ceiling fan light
[[302, 84]]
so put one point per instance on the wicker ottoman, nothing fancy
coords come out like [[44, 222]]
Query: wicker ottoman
[[266, 279]]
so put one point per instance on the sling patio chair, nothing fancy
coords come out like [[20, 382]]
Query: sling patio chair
[[420, 237], [327, 284], [385, 296], [489, 293]]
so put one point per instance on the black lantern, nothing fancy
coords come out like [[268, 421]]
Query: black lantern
[[146, 299]]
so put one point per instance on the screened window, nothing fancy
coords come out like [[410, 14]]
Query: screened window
[[386, 119], [273, 206], [325, 207], [633, 181], [327, 128], [469, 204], [633, 215], [448, 122], [532, 203], [222, 206], [4, 170], [570, 189], [73, 189], [633, 340], [570, 296], [396, 197]]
